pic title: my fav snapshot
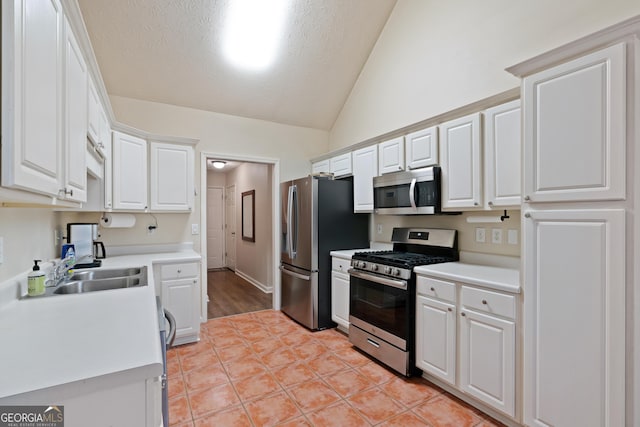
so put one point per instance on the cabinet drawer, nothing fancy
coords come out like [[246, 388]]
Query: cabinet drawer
[[436, 288], [489, 301], [178, 271], [340, 264]]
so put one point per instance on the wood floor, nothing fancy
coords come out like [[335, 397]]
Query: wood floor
[[230, 294]]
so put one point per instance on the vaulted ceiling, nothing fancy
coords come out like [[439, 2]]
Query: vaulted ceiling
[[170, 51]]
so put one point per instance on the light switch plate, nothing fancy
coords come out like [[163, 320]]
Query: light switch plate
[[194, 229], [496, 235], [480, 235], [379, 228], [512, 237], [1, 250]]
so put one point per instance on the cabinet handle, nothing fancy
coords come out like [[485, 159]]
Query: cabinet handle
[[449, 309], [527, 198], [484, 301], [462, 314], [433, 289], [527, 215], [399, 167], [179, 271], [475, 203], [490, 203]]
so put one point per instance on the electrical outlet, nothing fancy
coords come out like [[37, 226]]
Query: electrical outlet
[[480, 235], [496, 236], [512, 237], [1, 250], [194, 229], [379, 228]]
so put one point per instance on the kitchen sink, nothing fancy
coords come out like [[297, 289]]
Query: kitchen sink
[[107, 273], [82, 286]]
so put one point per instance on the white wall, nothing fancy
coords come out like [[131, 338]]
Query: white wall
[[27, 235], [434, 56]]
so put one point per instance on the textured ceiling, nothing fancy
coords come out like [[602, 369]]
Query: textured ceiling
[[170, 51]]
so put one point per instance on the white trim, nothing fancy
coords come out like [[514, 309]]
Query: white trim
[[275, 215], [264, 288]]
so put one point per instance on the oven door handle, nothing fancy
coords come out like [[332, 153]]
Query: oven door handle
[[400, 284]]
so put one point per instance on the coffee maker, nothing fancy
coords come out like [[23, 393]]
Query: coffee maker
[[84, 238]]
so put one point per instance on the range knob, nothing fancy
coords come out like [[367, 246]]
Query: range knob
[[374, 267], [395, 272], [387, 270], [361, 264]]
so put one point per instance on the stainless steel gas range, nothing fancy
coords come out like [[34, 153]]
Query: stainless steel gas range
[[383, 291]]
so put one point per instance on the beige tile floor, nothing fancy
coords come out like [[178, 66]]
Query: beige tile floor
[[263, 369]]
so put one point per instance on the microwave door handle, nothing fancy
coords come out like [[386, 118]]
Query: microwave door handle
[[289, 218], [412, 193]]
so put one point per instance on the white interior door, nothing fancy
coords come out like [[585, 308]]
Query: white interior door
[[230, 235], [215, 228]]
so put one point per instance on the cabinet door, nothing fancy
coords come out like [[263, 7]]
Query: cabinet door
[[32, 66], [129, 172], [574, 325], [422, 148], [75, 112], [460, 146], [321, 166], [502, 151], [391, 155], [93, 114], [487, 359], [341, 165], [575, 132], [108, 163], [171, 183], [340, 299], [180, 297], [365, 167], [436, 338]]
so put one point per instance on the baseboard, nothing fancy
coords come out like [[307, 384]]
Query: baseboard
[[264, 288]]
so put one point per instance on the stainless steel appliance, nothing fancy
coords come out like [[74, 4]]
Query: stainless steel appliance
[[383, 291], [82, 236], [408, 193], [317, 217], [166, 341]]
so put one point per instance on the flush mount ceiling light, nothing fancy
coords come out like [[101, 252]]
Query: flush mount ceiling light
[[218, 164], [253, 29]]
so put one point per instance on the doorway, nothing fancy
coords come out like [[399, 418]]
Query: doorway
[[243, 268]]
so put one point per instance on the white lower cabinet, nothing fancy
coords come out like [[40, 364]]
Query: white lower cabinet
[[180, 294], [340, 293], [466, 337]]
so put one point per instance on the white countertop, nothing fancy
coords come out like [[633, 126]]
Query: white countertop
[[73, 339], [498, 278]]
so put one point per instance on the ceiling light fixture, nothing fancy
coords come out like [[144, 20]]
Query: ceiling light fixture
[[218, 164], [253, 29]]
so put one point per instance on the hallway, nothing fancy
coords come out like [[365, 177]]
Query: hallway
[[230, 294]]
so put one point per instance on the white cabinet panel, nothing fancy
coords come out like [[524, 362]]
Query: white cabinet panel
[[365, 167], [436, 338], [180, 298], [574, 331], [171, 182], [108, 163], [422, 148], [341, 165], [487, 359], [575, 132], [129, 172], [32, 67], [75, 181], [502, 153], [391, 155], [93, 113], [340, 298], [460, 156], [320, 167]]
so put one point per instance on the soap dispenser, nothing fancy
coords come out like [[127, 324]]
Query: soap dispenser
[[36, 280]]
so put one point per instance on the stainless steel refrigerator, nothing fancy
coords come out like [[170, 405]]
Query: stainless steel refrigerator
[[317, 217]]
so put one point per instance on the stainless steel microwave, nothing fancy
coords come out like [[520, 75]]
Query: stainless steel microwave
[[407, 193]]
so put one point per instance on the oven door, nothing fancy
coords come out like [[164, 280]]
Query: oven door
[[380, 306]]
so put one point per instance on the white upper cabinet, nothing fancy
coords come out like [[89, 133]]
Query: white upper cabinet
[[341, 165], [75, 129], [502, 155], [575, 132], [321, 167], [422, 148], [460, 159], [32, 67], [365, 167], [129, 172], [171, 177], [93, 114], [108, 165], [391, 155]]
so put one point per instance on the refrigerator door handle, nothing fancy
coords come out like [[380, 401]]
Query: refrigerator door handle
[[293, 221], [296, 275], [289, 217]]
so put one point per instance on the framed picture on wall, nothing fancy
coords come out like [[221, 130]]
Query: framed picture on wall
[[248, 216]]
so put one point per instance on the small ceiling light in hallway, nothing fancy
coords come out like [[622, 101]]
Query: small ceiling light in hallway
[[219, 164], [253, 29]]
